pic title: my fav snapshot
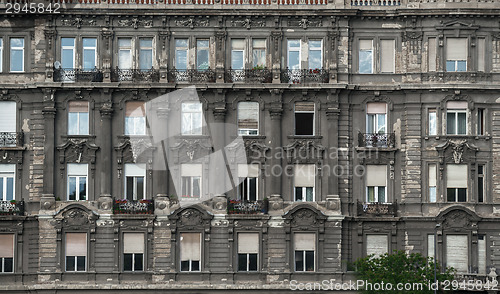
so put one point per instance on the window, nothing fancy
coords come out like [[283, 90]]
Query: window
[[8, 116], [259, 53], [293, 51], [135, 186], [76, 252], [376, 183], [305, 247], [7, 253], [457, 252], [430, 245], [456, 182], [387, 56], [432, 182], [481, 182], [191, 180], [304, 177], [481, 52], [192, 118], [190, 252], [377, 245], [456, 54], [202, 54], [181, 54], [133, 252], [304, 118], [7, 176], [68, 53], [17, 54], [376, 118], [456, 118], [135, 118], [145, 53], [249, 175], [248, 252], [77, 181], [432, 122], [89, 53], [237, 54], [248, 118], [432, 60], [125, 53], [78, 118], [481, 254], [365, 56], [315, 54], [480, 122]]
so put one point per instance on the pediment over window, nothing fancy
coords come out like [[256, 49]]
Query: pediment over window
[[458, 218], [457, 151], [304, 217], [75, 217], [134, 149], [77, 151], [191, 217], [254, 149], [187, 150], [304, 151], [457, 24]]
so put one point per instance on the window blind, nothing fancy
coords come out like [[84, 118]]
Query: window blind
[[248, 170], [456, 175], [457, 252], [7, 116], [6, 245], [304, 175], [387, 54], [304, 241], [191, 170], [365, 44], [78, 106], [376, 175], [133, 243], [456, 49], [248, 243], [190, 246], [135, 109], [76, 244], [376, 108], [376, 244]]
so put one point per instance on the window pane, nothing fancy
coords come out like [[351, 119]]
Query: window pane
[[480, 190], [381, 123], [371, 194], [181, 43], [253, 189], [450, 65], [294, 43], [80, 263], [462, 123], [242, 262], [293, 60], [140, 187], [140, 125], [145, 59], [8, 265], [304, 124], [2, 197], [67, 58], [64, 42], [252, 264], [462, 195], [197, 123], [450, 195], [309, 261], [461, 65], [195, 265], [298, 193], [124, 59], [185, 265], [315, 59], [83, 188], [381, 194], [70, 263], [84, 123], [129, 126], [146, 43], [138, 262], [196, 187], [72, 188], [432, 194], [259, 57], [89, 42], [181, 59], [10, 189], [127, 262], [370, 123], [432, 124], [309, 194], [365, 62], [299, 261], [237, 59], [16, 60], [89, 59], [450, 123], [130, 188], [202, 59]]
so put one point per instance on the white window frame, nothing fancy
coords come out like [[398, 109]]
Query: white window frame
[[246, 182], [150, 49], [125, 49], [190, 261], [259, 48], [455, 112], [77, 177], [315, 49], [73, 50], [432, 122], [245, 131], [243, 51], [78, 122], [290, 49], [2, 259], [375, 191], [8, 171], [481, 176], [301, 111], [380, 55], [12, 48], [136, 120], [93, 48], [372, 51], [76, 257], [181, 48], [304, 194], [190, 188], [1, 54], [202, 48], [193, 130], [132, 170], [455, 61]]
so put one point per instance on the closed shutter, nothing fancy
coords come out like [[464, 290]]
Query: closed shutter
[[248, 115], [376, 108], [481, 255], [77, 169], [248, 243], [376, 244], [304, 175], [135, 109], [133, 243], [248, 170], [191, 170], [457, 252], [6, 245], [432, 54], [481, 51], [78, 106], [304, 106], [456, 49], [132, 169], [456, 176], [387, 53], [365, 45], [432, 175], [430, 245], [304, 241], [76, 244], [190, 246], [8, 116], [376, 175], [456, 105], [7, 168]]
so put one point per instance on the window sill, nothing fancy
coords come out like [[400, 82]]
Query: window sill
[[317, 137]]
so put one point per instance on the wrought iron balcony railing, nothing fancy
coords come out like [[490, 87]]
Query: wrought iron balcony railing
[[376, 140], [135, 75], [13, 139], [304, 76], [375, 2], [249, 76], [124, 206], [77, 75], [191, 76], [11, 207], [247, 207], [377, 209]]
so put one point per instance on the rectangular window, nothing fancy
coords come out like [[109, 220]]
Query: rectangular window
[[432, 122], [248, 251], [456, 182], [293, 58], [77, 181], [7, 253], [78, 118], [430, 245], [8, 117], [7, 179], [135, 118], [432, 54], [305, 248], [17, 55], [259, 53], [181, 54], [89, 53], [315, 54], [456, 54], [133, 252], [190, 252], [480, 122], [304, 181], [304, 118], [457, 248], [76, 252], [202, 54], [481, 182], [192, 118], [481, 51], [456, 118], [237, 54], [376, 118], [125, 53], [191, 180], [432, 182], [377, 245], [481, 254], [145, 53], [68, 53], [365, 56], [249, 175], [248, 118], [135, 185], [387, 56], [376, 183]]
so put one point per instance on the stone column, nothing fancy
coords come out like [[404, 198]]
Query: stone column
[[49, 112], [49, 55], [164, 37], [106, 154], [332, 116], [107, 38], [276, 37], [161, 173], [220, 39], [276, 167]]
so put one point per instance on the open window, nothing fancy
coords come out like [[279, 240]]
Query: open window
[[248, 252]]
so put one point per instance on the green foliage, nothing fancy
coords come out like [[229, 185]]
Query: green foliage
[[400, 267]]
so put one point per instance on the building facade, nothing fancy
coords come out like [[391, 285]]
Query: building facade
[[369, 126]]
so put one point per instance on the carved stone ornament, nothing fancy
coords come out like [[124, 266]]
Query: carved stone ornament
[[456, 151], [75, 217], [78, 22], [305, 217], [192, 22], [77, 151], [135, 22], [248, 23], [304, 151], [192, 217], [305, 23], [190, 149]]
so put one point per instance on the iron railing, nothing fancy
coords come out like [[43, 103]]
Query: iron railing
[[11, 139], [11, 207], [248, 76], [247, 207], [77, 75], [376, 209], [304, 76], [191, 76], [376, 140], [375, 2], [124, 206], [135, 75]]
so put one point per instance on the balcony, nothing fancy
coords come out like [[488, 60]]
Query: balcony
[[377, 209], [77, 75], [247, 207], [191, 76], [304, 76], [11, 207], [124, 206], [135, 75], [371, 140], [253, 76], [375, 2], [11, 139]]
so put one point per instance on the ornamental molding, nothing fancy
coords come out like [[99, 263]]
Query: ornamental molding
[[193, 217], [77, 150], [457, 151], [248, 23], [306, 23], [135, 22], [458, 218], [192, 22], [191, 147], [304, 217], [304, 151], [78, 22]]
